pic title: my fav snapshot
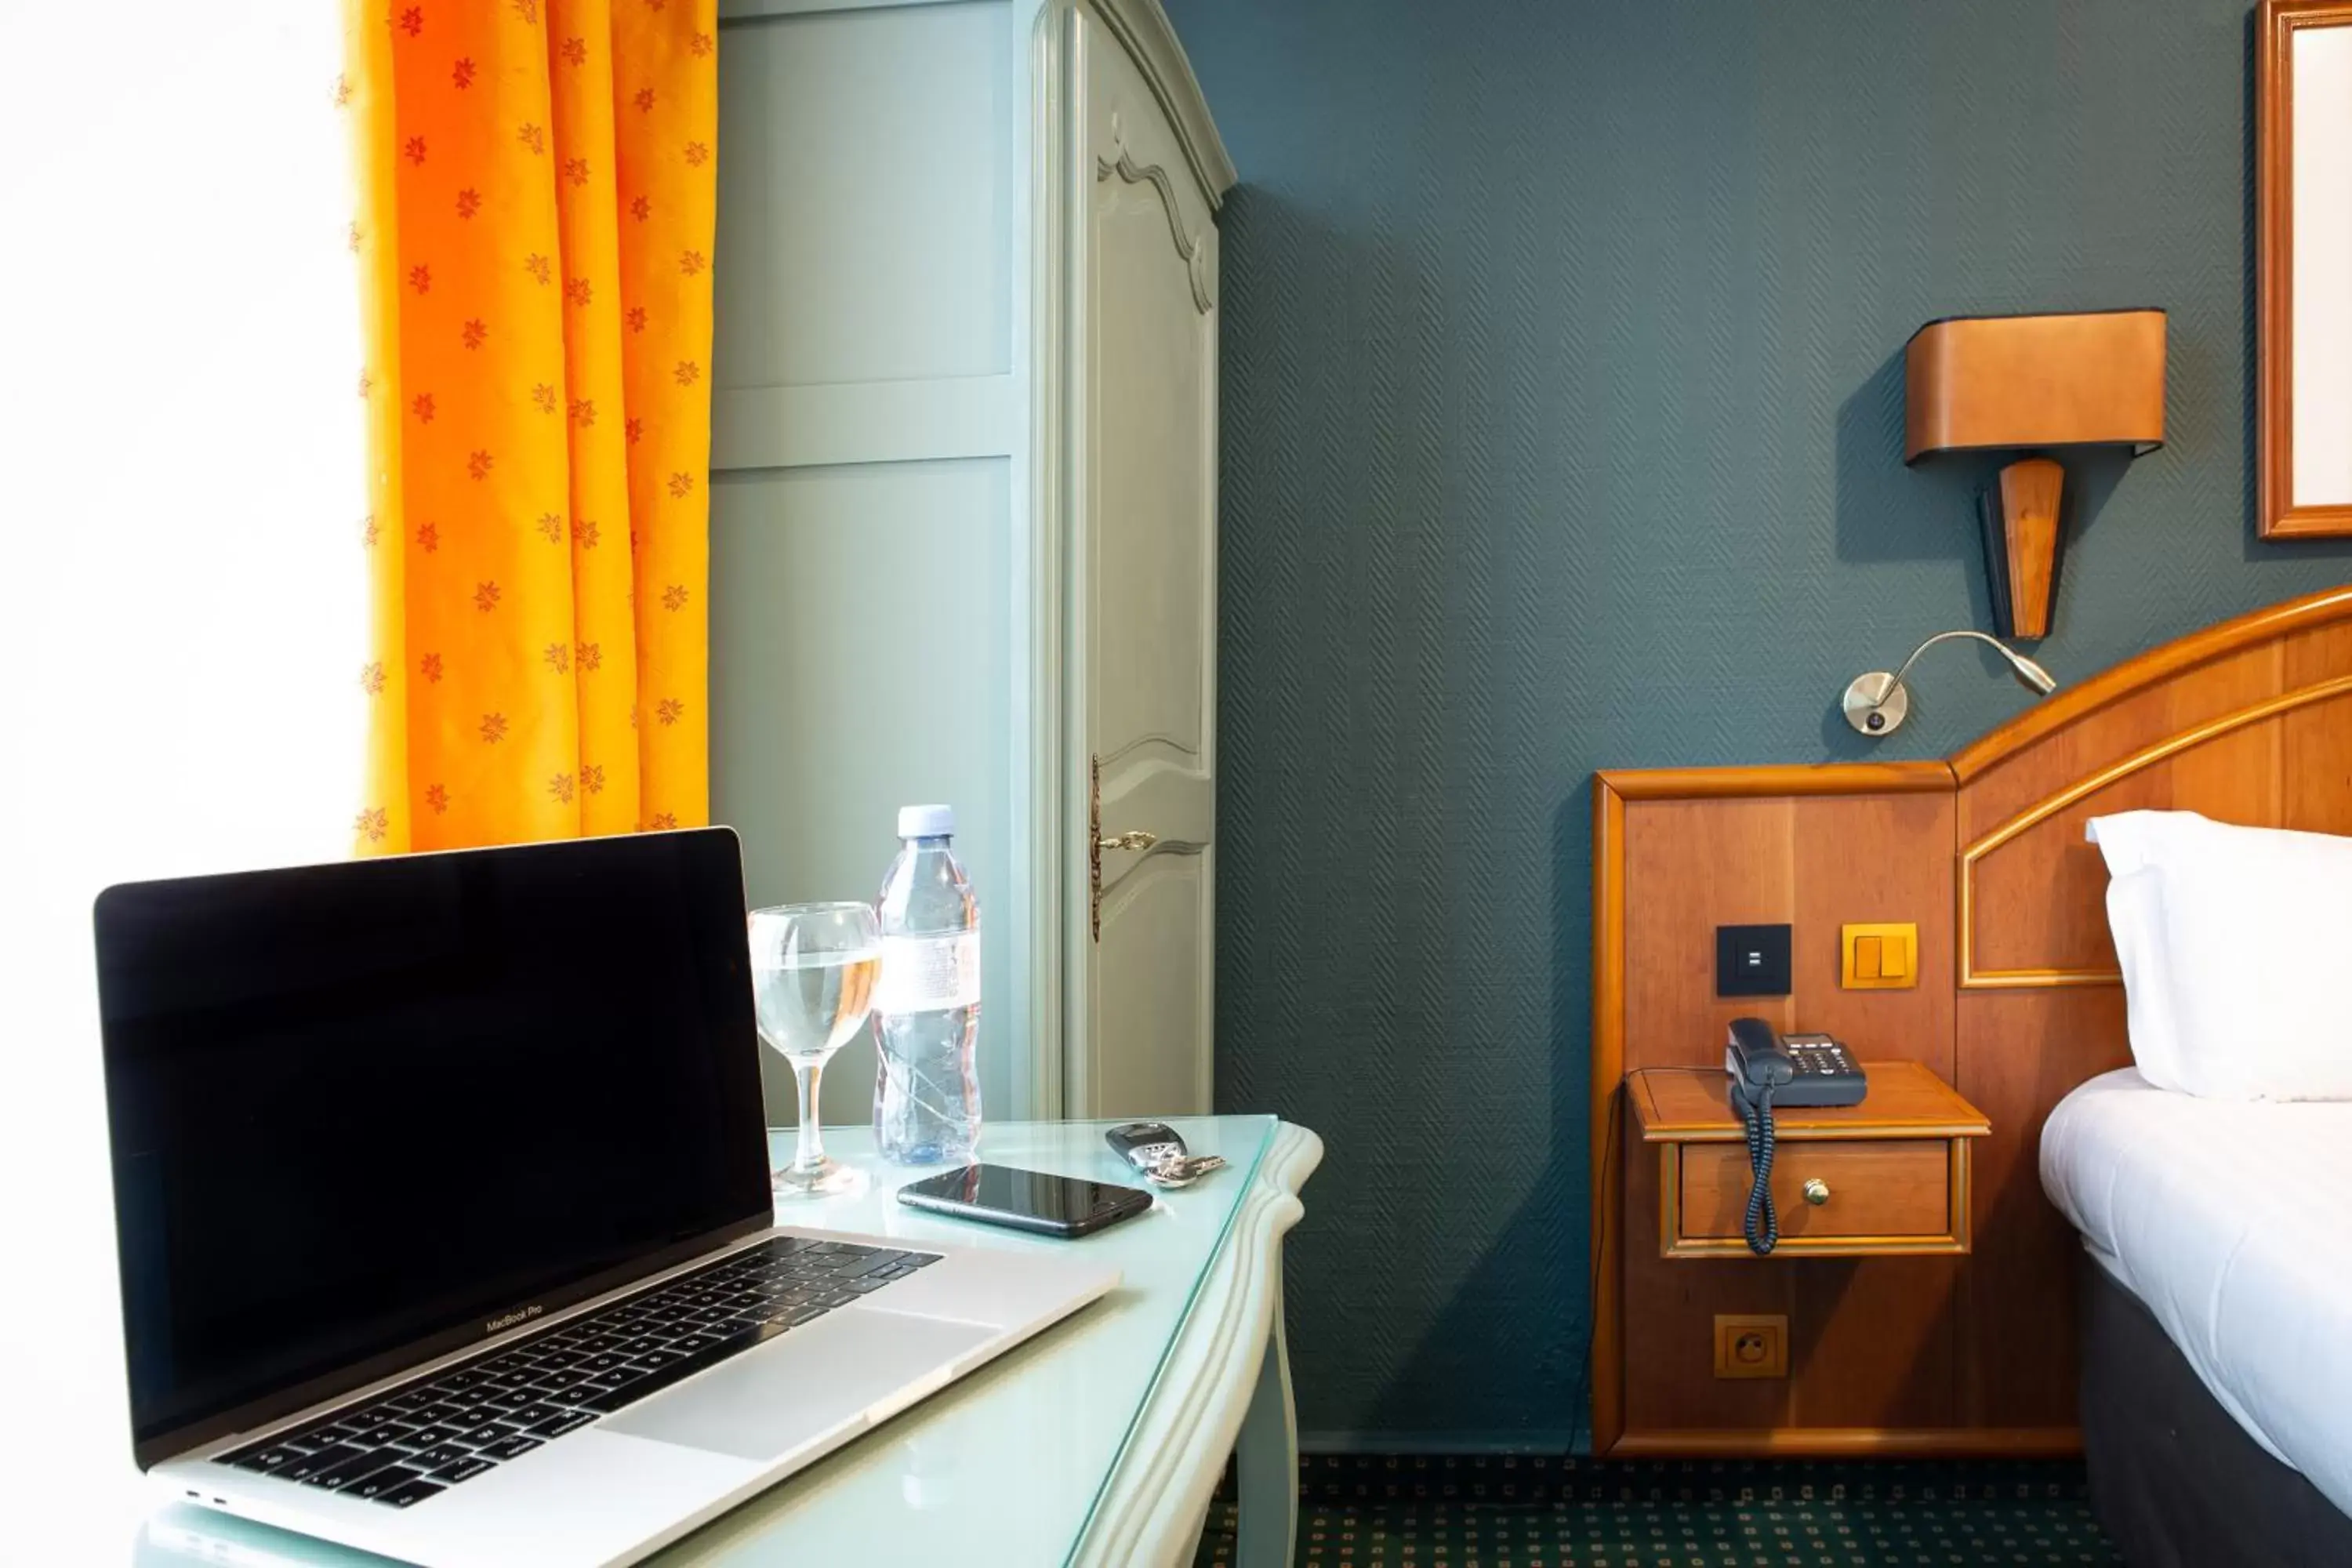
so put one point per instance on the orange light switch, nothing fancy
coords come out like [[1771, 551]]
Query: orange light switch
[[1880, 957]]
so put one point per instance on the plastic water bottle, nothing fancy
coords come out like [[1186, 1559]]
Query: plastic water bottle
[[927, 1004]]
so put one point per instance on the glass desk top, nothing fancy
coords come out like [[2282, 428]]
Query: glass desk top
[[1006, 1466]]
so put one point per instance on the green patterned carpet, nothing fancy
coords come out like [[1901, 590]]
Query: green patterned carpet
[[1384, 1511]]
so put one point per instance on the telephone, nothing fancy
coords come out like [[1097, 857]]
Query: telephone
[[1803, 1069]]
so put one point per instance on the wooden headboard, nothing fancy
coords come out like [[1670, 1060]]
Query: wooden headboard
[[2019, 1001]]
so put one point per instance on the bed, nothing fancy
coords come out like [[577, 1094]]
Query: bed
[[2216, 1318]]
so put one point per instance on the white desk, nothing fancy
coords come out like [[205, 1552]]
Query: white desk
[[1098, 1443]]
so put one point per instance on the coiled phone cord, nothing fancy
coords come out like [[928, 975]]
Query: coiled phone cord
[[1763, 1217]]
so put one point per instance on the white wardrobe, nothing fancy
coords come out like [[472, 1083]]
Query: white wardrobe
[[964, 507]]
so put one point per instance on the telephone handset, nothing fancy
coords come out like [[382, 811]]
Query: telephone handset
[[1803, 1069]]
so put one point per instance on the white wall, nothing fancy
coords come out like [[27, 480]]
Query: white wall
[[182, 607], [864, 420]]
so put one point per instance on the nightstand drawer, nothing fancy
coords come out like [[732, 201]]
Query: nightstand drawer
[[1893, 1171], [1898, 1187]]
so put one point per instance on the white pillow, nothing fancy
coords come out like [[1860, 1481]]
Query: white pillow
[[2236, 945], [2136, 918]]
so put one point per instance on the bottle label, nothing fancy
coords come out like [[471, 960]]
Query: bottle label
[[929, 973]]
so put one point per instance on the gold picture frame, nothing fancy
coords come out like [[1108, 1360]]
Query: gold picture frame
[[2303, 259]]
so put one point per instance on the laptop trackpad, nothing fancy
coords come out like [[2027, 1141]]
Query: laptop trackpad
[[765, 1403]]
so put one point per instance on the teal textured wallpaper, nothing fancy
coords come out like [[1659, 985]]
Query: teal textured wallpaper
[[1563, 430]]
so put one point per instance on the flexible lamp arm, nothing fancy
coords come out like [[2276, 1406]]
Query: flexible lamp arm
[[1877, 702], [2032, 674]]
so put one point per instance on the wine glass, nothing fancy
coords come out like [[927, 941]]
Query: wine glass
[[812, 973]]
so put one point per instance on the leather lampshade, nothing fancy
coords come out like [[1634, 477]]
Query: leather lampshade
[[2032, 382]]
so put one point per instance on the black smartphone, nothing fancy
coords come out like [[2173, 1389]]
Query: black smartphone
[[1027, 1200]]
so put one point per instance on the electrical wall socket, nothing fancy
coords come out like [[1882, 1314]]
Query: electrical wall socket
[[1751, 1345]]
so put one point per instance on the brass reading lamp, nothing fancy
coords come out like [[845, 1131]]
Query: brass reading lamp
[[1876, 703], [2032, 383]]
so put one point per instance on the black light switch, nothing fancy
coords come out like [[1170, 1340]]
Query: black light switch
[[1752, 961]]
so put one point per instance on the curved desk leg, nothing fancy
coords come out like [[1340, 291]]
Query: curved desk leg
[[1267, 1459]]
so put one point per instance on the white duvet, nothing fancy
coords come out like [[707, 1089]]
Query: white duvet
[[2232, 1222]]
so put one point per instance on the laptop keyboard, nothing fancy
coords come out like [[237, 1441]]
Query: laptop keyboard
[[415, 1441]]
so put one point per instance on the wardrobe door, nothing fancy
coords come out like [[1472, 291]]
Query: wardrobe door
[[862, 533], [1142, 402]]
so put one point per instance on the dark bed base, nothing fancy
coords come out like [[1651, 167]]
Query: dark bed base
[[2175, 1483]]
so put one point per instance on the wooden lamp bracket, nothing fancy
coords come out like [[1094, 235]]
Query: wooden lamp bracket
[[2021, 522]]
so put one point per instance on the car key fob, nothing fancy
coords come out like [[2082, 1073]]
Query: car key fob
[[1158, 1154]]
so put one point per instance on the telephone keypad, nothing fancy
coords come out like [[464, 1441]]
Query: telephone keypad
[[1817, 1055]]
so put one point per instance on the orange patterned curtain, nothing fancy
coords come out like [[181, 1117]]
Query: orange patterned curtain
[[536, 207]]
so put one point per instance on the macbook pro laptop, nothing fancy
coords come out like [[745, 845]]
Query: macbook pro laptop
[[441, 1188]]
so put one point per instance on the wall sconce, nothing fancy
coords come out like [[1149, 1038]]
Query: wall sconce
[[1876, 703], [1979, 383]]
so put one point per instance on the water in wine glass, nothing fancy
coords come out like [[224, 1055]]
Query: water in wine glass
[[812, 973], [812, 1004]]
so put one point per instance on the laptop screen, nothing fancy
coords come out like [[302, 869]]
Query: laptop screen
[[366, 1112]]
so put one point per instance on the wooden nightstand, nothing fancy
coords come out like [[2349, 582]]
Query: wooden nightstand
[[1887, 1177]]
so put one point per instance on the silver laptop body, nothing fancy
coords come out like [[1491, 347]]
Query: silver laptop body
[[442, 1212]]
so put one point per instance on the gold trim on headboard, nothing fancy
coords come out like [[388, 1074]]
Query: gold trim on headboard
[[1975, 979], [1608, 1052], [2268, 624], [1780, 778]]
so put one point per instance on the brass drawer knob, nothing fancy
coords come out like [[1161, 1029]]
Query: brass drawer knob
[[1817, 1192]]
